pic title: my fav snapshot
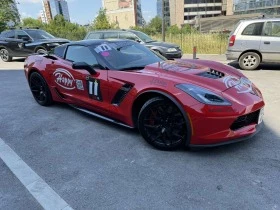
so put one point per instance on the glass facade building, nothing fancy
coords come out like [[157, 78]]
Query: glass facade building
[[266, 7]]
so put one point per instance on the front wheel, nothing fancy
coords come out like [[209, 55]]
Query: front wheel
[[5, 56], [162, 124], [249, 61], [40, 89]]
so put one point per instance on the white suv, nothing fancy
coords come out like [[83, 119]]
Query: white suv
[[255, 41]]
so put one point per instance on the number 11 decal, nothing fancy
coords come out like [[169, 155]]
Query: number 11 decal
[[94, 89]]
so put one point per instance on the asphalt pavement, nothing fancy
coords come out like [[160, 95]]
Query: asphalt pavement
[[93, 164]]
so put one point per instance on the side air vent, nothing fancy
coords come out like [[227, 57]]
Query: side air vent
[[122, 92], [213, 74]]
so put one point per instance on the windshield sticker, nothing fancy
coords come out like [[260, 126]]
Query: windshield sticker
[[64, 79], [102, 48], [79, 84], [105, 54], [94, 89], [242, 85]]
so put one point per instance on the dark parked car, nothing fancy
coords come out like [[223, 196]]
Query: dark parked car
[[168, 50], [22, 42]]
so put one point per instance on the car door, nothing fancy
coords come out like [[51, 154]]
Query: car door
[[270, 43], [79, 87], [22, 38], [250, 37], [11, 41]]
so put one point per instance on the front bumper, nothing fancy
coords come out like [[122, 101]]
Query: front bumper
[[213, 125], [244, 138], [232, 55]]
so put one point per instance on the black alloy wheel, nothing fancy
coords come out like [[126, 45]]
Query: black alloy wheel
[[162, 124], [40, 89], [4, 54]]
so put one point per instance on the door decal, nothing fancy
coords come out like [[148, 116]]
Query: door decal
[[94, 89], [64, 79]]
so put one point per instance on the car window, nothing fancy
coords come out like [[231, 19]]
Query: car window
[[95, 36], [128, 35], [254, 29], [59, 51], [79, 53], [110, 35], [21, 34], [9, 34], [272, 29]]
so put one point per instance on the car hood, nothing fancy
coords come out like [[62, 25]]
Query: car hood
[[46, 41], [161, 44], [207, 74]]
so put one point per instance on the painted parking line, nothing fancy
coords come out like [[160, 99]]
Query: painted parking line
[[40, 190]]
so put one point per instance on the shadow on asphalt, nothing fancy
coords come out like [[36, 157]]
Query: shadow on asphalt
[[267, 66]]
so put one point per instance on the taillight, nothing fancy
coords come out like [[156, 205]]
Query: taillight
[[231, 41]]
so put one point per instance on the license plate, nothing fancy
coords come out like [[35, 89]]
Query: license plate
[[260, 119]]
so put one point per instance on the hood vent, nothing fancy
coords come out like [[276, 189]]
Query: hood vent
[[213, 74]]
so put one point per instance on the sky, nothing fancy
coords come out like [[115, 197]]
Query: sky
[[81, 11]]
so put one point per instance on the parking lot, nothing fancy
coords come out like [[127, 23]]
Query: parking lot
[[94, 164]]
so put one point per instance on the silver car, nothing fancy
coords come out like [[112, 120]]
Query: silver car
[[255, 41]]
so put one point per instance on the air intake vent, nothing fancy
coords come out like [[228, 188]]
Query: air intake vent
[[213, 74], [122, 92]]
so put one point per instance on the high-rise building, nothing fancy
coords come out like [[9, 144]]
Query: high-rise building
[[166, 10], [124, 13], [185, 11], [52, 8]]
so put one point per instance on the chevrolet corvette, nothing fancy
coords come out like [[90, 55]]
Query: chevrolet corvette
[[173, 103]]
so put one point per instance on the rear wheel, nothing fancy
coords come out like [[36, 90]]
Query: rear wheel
[[249, 61], [162, 124], [5, 56], [41, 51], [40, 89]]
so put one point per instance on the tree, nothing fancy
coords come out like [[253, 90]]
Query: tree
[[7, 13], [101, 21], [173, 30], [156, 24], [32, 23]]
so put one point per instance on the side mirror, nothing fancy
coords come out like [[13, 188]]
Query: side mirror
[[84, 66]]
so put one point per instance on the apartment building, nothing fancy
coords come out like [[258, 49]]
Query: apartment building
[[124, 13], [51, 8]]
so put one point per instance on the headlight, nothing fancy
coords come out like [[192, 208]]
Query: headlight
[[171, 50], [203, 95]]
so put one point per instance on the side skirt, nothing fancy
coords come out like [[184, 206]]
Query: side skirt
[[100, 116]]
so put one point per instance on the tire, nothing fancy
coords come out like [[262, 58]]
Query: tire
[[41, 50], [5, 56], [249, 61], [40, 89], [162, 124]]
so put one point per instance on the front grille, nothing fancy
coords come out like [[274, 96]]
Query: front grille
[[212, 73], [245, 120]]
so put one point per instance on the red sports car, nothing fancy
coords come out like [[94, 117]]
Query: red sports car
[[172, 103]]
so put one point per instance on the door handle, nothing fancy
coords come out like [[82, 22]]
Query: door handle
[[266, 42]]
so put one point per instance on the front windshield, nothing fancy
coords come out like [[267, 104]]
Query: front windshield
[[143, 37], [125, 55], [39, 34]]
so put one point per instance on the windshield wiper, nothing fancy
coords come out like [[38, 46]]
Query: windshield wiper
[[132, 68]]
